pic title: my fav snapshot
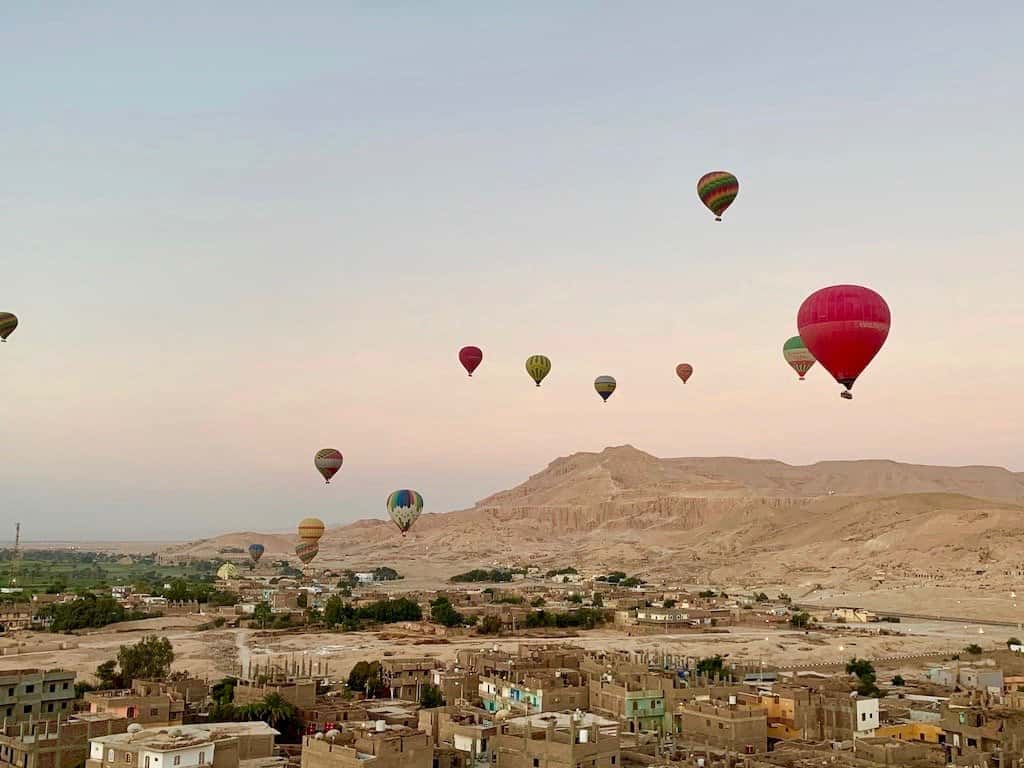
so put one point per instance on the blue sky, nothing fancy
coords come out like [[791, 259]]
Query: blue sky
[[236, 236]]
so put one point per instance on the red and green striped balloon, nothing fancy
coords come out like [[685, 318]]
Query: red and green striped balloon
[[717, 190]]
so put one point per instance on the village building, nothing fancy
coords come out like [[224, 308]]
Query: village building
[[542, 690], [558, 740], [406, 678], [35, 694], [469, 732], [218, 745], [147, 703], [376, 745], [457, 685], [725, 725], [60, 743]]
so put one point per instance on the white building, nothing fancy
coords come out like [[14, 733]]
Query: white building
[[867, 718]]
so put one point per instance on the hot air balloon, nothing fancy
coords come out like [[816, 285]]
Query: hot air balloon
[[797, 355], [311, 529], [327, 462], [255, 552], [604, 385], [306, 551], [8, 323], [227, 571], [404, 507], [717, 190], [538, 367], [844, 326], [684, 371], [470, 357]]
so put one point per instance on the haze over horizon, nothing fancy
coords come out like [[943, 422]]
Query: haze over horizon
[[235, 236]]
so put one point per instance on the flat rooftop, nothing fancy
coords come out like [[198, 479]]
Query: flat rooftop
[[165, 739]]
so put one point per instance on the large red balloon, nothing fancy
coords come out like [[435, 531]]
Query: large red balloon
[[844, 326], [470, 358]]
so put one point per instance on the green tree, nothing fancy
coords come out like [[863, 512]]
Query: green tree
[[108, 675], [974, 649], [710, 666], [262, 614], [365, 677], [490, 625], [597, 600], [1012, 641], [898, 680], [800, 620], [303, 599], [761, 597], [864, 670], [706, 593], [148, 659], [442, 612], [431, 697], [670, 603], [575, 597], [538, 602]]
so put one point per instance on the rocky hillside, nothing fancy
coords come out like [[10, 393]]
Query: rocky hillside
[[709, 519]]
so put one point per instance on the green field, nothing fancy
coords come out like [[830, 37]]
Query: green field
[[72, 570]]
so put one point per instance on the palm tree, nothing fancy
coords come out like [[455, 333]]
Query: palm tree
[[276, 710]]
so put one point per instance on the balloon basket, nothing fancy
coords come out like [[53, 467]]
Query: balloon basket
[[846, 395]]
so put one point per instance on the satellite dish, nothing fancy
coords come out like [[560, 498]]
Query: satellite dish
[[134, 728]]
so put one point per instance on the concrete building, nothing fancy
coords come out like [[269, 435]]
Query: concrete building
[[853, 615], [468, 731], [636, 707], [544, 690], [457, 685], [975, 735], [146, 703], [34, 694], [736, 727], [562, 740], [406, 678], [218, 745], [375, 746], [60, 743]]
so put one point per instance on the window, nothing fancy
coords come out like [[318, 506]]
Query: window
[[28, 708], [10, 711], [202, 758], [863, 716], [613, 759], [10, 691], [53, 687], [177, 759], [63, 705], [65, 686], [147, 761], [49, 707], [110, 755], [153, 712], [29, 688], [536, 762], [128, 757]]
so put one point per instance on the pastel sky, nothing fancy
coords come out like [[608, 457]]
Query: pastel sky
[[238, 232]]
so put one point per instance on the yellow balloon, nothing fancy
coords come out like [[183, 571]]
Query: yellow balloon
[[538, 367]]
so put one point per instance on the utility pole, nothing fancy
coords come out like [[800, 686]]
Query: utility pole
[[15, 555]]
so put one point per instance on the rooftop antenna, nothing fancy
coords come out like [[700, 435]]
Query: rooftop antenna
[[15, 555]]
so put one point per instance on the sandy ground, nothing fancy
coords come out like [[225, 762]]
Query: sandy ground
[[216, 653]]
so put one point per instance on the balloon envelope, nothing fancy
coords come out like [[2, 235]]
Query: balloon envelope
[[256, 552], [604, 385], [470, 357], [538, 366], [227, 571], [844, 326], [404, 508], [306, 551], [684, 371], [327, 462], [8, 323], [717, 190], [798, 356], [311, 529]]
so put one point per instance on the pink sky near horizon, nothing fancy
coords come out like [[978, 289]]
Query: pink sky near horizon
[[225, 264]]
